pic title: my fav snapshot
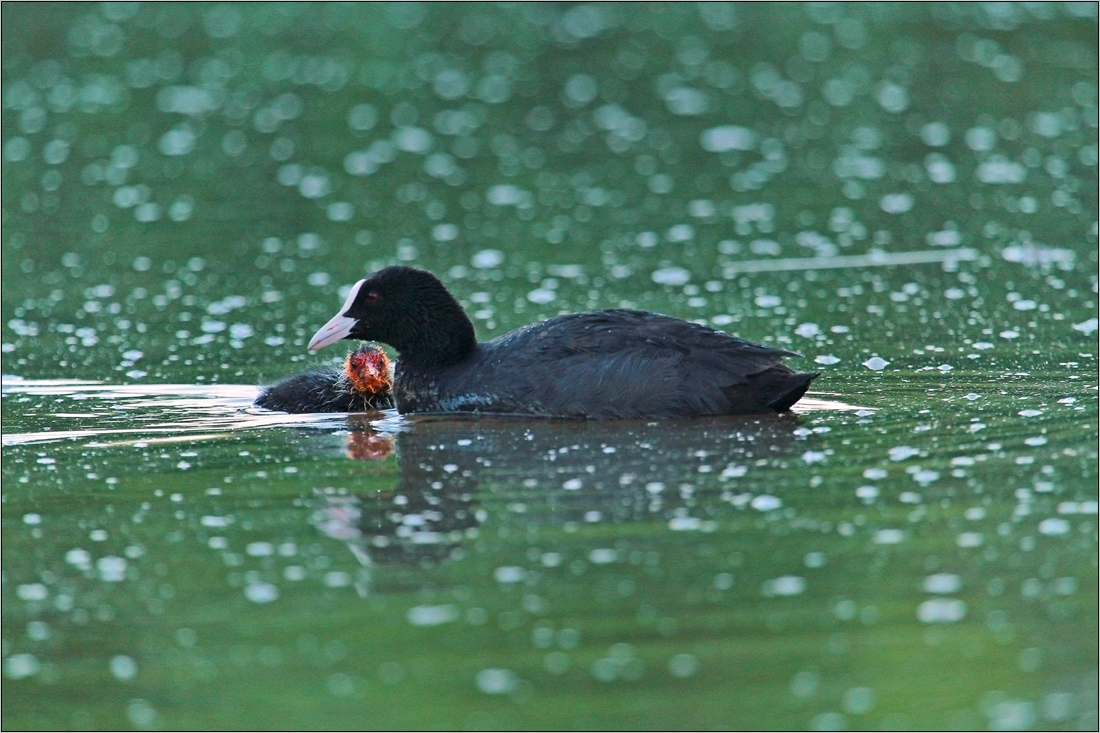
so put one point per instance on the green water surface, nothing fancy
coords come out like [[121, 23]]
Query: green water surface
[[905, 194]]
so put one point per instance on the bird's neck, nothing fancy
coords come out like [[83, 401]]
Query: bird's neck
[[444, 337]]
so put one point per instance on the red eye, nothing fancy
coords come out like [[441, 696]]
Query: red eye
[[371, 296]]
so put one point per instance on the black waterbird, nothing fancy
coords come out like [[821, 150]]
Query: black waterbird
[[599, 364]]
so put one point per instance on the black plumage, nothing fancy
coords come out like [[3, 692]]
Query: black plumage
[[362, 385], [599, 364]]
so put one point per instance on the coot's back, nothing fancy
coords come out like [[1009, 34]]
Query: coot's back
[[609, 364]]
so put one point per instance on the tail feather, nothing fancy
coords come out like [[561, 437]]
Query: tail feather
[[799, 383], [772, 390]]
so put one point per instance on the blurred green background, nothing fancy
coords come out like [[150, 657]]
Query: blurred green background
[[905, 193]]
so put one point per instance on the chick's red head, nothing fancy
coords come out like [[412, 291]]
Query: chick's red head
[[368, 370]]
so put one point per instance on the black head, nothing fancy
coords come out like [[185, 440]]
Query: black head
[[408, 309]]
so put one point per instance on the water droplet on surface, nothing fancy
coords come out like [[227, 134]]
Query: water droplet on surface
[[111, 568], [785, 585], [1053, 526], [814, 560], [876, 363], [896, 203], [261, 592], [432, 615], [487, 259], [683, 665], [967, 539], [888, 536], [726, 138], [858, 700], [935, 134], [141, 713], [941, 611], [123, 668], [21, 666], [867, 493], [542, 296], [603, 556], [925, 477], [902, 452], [1087, 327], [674, 276], [684, 524], [340, 579], [509, 574], [942, 583], [32, 592], [496, 681], [580, 89], [766, 503], [1011, 715]]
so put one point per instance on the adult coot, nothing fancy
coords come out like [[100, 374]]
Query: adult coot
[[600, 364], [363, 385]]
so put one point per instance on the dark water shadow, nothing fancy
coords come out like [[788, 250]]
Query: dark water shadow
[[456, 472]]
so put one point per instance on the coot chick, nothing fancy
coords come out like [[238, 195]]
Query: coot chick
[[363, 385], [600, 364]]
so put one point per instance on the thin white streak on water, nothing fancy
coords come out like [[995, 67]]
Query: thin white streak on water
[[178, 411], [812, 404], [202, 412], [873, 259]]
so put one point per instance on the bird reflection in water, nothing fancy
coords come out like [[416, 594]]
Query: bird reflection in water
[[364, 444], [456, 473]]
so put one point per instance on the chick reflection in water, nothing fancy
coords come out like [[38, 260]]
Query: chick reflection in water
[[421, 521], [364, 444], [456, 474]]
